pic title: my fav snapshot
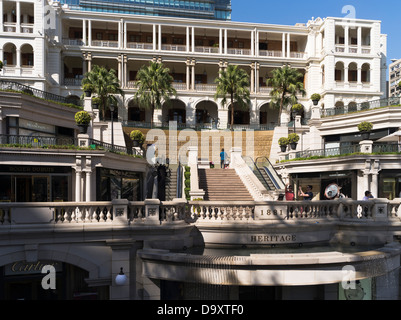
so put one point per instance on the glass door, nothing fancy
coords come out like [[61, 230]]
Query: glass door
[[40, 189], [23, 189]]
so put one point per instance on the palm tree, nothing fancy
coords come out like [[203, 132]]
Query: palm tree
[[154, 84], [105, 85], [286, 83], [233, 83]]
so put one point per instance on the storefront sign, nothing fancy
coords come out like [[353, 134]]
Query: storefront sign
[[33, 169], [274, 238], [23, 267], [36, 126]]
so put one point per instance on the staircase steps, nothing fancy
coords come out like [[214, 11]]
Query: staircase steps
[[222, 185], [171, 186]]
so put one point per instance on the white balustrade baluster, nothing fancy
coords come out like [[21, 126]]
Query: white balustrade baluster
[[109, 215]]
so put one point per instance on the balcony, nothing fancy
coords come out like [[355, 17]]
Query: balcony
[[364, 106], [105, 43]]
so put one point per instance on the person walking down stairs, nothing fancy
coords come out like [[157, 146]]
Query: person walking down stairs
[[223, 158]]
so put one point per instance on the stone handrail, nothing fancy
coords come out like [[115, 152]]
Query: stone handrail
[[340, 210], [155, 212]]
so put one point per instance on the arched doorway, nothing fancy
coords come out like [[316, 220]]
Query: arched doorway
[[174, 111], [23, 281], [206, 113], [268, 116], [137, 113], [241, 115]]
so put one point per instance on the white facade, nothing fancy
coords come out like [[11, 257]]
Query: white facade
[[51, 47], [394, 78]]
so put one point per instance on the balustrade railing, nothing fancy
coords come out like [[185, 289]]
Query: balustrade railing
[[15, 86], [124, 212], [364, 106], [36, 141]]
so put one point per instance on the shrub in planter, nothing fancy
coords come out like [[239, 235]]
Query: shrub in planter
[[137, 137], [293, 139], [283, 143], [96, 102], [365, 128], [315, 98], [88, 89], [297, 108], [82, 119]]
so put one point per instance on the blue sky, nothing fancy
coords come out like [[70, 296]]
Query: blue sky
[[291, 12]]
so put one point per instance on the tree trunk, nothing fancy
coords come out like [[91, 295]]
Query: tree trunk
[[232, 112], [281, 108], [151, 118]]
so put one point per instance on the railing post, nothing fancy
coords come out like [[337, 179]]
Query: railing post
[[120, 211], [380, 209], [152, 211]]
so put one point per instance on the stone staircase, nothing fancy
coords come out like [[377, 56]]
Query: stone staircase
[[222, 185], [171, 184]]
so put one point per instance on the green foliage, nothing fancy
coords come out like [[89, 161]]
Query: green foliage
[[83, 117], [365, 126], [187, 168], [105, 84], [233, 83], [286, 83], [315, 96], [187, 175], [88, 87], [298, 108], [138, 136], [154, 85], [96, 100], [293, 138], [283, 141]]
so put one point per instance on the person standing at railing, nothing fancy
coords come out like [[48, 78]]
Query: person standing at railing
[[368, 195], [289, 193], [308, 195]]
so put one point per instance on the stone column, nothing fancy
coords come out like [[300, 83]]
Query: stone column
[[193, 63], [374, 186], [78, 170], [84, 32], [252, 80]]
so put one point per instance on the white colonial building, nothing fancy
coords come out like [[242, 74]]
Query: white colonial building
[[50, 46]]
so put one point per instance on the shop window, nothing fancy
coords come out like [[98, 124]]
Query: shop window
[[117, 184]]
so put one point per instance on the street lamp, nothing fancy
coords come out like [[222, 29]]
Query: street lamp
[[112, 107], [121, 278]]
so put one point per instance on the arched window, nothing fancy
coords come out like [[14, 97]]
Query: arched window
[[9, 54], [365, 73], [352, 72], [339, 72], [27, 57]]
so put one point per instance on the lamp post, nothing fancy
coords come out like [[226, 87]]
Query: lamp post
[[112, 107]]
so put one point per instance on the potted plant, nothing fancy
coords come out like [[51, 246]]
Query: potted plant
[[137, 137], [283, 143], [297, 109], [315, 98], [96, 102], [365, 128], [82, 119], [293, 139], [88, 89]]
